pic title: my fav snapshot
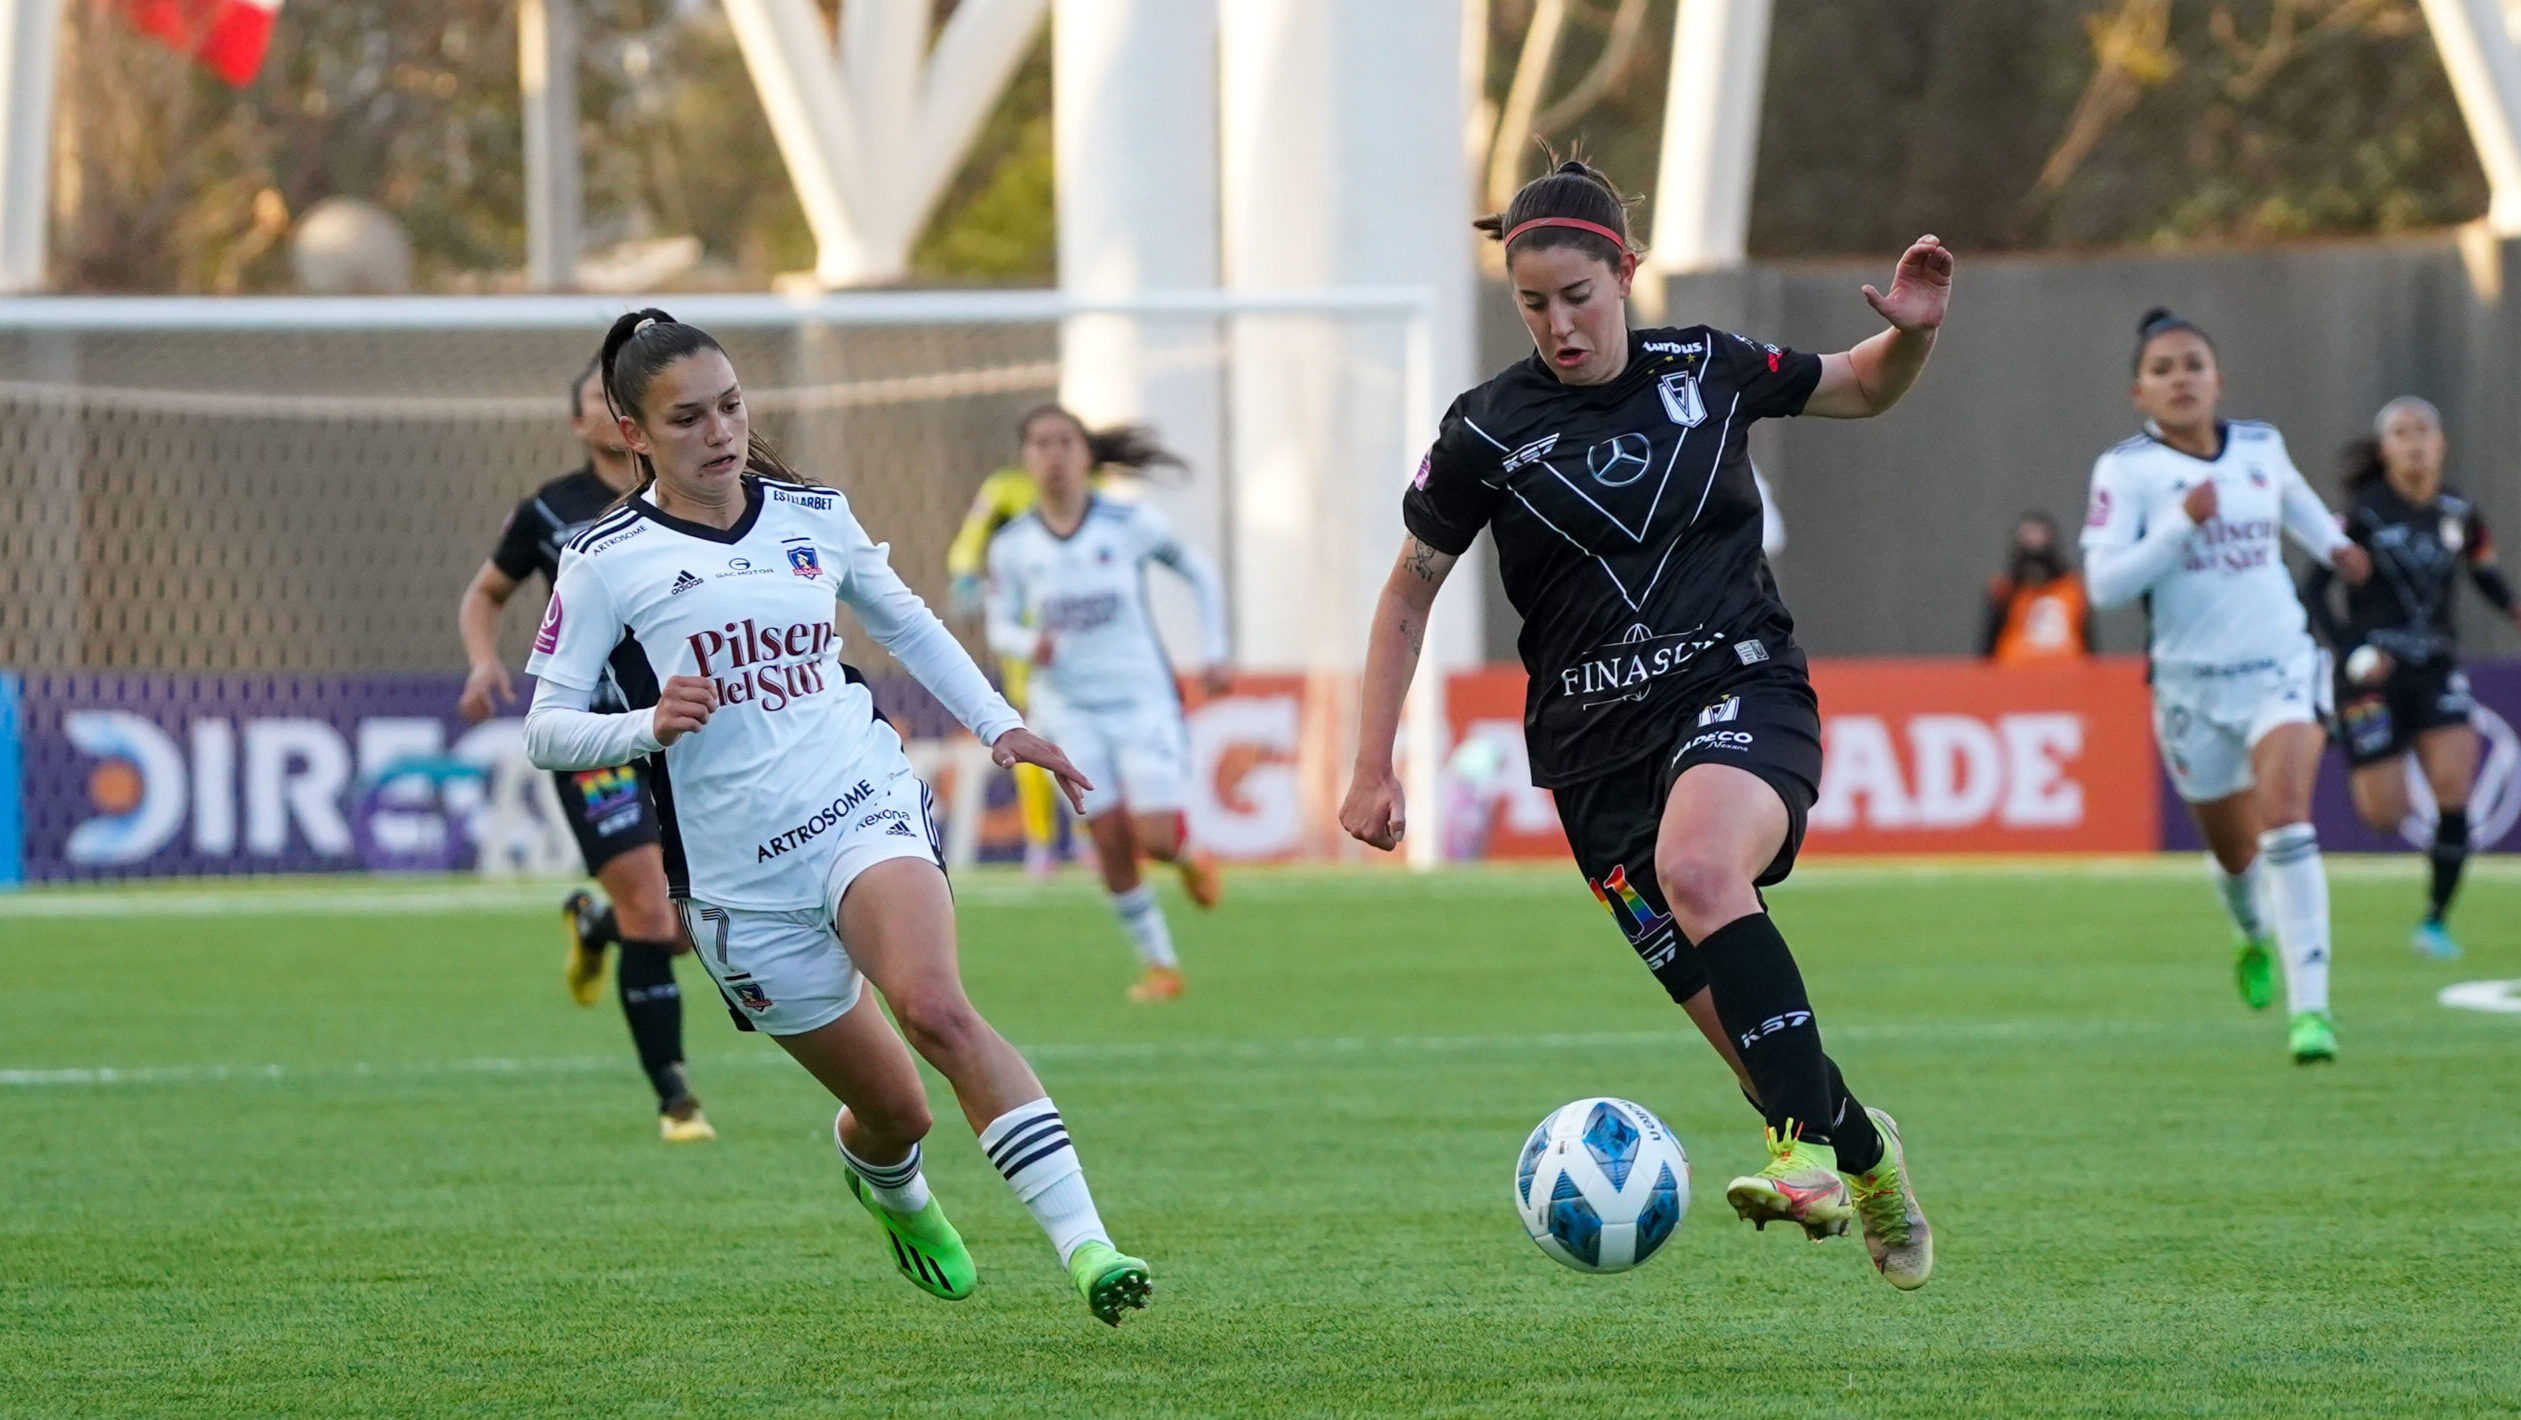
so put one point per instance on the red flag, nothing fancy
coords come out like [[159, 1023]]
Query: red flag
[[228, 36]]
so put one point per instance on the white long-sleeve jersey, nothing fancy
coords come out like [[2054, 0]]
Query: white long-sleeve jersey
[[749, 802], [2220, 595], [1088, 592]]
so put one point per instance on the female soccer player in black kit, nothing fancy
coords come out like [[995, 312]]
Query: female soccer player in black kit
[[1668, 705], [2399, 685], [609, 810]]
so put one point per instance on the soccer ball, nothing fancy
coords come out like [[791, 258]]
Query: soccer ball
[[1601, 1185]]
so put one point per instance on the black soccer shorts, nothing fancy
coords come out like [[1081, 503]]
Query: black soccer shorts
[[1770, 726], [608, 810], [2378, 723]]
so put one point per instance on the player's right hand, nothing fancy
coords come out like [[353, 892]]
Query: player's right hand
[[1043, 649], [486, 688], [684, 705], [2200, 504], [1374, 813]]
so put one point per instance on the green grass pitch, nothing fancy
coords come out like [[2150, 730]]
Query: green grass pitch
[[348, 1150]]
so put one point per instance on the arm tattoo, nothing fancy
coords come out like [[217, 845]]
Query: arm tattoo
[[1421, 561], [1413, 634]]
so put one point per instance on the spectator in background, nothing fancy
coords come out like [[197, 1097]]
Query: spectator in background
[[2037, 613]]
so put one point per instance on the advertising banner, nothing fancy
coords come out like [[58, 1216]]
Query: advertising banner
[[1921, 756], [119, 775], [2494, 801]]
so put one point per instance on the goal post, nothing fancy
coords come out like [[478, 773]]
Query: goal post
[[305, 484]]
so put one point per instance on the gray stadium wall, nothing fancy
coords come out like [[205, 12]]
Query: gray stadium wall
[[1894, 524]]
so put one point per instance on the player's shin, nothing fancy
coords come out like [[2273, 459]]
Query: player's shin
[[2449, 857], [1029, 1147], [1142, 917], [653, 1005], [1760, 997], [2298, 891], [2242, 894]]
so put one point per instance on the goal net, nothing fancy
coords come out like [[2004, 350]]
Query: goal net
[[272, 498]]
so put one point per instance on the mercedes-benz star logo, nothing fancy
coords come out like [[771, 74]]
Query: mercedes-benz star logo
[[1620, 461]]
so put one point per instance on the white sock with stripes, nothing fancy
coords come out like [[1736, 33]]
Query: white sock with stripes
[[1029, 1145], [1144, 919], [2298, 890], [2241, 895], [900, 1187]]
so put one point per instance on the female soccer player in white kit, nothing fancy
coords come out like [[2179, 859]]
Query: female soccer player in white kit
[[2187, 515], [1068, 595], [798, 842]]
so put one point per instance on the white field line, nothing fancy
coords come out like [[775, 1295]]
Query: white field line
[[300, 896], [1237, 1052]]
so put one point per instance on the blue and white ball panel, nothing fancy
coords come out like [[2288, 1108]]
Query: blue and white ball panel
[[1602, 1184]]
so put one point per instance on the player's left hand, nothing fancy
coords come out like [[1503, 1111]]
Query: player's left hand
[[1216, 680], [2354, 564], [1921, 287], [1022, 746]]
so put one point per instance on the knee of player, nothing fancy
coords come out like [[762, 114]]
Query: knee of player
[[940, 1026], [1698, 884], [642, 920]]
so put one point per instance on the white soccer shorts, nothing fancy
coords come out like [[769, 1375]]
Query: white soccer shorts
[[788, 971], [2207, 719], [1136, 755]]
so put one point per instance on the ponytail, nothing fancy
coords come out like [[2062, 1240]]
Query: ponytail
[[1130, 446]]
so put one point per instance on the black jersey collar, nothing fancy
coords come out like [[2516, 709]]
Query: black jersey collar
[[2223, 441], [1092, 502], [743, 524]]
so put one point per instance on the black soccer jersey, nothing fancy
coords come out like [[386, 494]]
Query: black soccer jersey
[[1627, 528], [2418, 554], [541, 526]]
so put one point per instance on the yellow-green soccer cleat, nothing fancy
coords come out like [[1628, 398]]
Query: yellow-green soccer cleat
[[2314, 1038], [682, 1123], [925, 1246], [1895, 1229], [1800, 1186], [2254, 971], [1110, 1281], [583, 968]]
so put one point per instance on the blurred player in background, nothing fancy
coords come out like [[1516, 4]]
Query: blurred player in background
[[1004, 496], [1068, 596], [801, 845], [2037, 614], [1669, 706], [608, 809], [2188, 516], [2399, 685]]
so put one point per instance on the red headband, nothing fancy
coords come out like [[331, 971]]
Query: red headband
[[1578, 223]]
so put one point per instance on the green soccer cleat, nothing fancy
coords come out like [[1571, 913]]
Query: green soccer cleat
[[1110, 1281], [1800, 1186], [2254, 971], [2432, 939], [2314, 1038], [1896, 1233], [925, 1246]]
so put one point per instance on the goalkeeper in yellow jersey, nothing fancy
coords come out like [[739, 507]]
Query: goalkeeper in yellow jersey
[[1005, 496]]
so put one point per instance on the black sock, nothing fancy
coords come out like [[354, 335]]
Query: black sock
[[1759, 997], [603, 929], [2449, 855], [1859, 1144], [653, 1005]]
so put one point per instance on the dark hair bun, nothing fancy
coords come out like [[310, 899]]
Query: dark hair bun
[[2157, 316]]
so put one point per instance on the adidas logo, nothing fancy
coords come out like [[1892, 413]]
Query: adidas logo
[[900, 828], [683, 582]]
